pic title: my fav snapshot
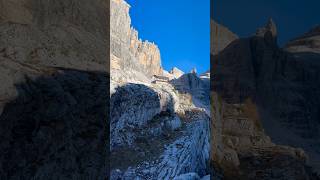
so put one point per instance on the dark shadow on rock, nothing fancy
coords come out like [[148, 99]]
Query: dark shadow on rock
[[282, 85], [57, 128]]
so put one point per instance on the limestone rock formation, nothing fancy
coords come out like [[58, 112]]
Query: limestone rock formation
[[133, 105], [220, 37], [309, 42], [177, 73], [56, 127], [157, 131], [53, 71], [205, 75], [147, 54], [48, 33], [260, 90], [128, 52]]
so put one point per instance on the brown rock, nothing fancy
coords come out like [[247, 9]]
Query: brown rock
[[221, 37]]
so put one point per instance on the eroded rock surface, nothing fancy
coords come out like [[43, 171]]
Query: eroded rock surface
[[128, 52], [261, 90], [220, 36], [157, 131], [53, 74]]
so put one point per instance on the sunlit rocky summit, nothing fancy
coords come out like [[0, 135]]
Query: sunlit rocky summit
[[159, 119]]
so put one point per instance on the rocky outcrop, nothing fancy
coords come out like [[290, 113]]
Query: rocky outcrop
[[147, 54], [220, 37], [128, 52], [185, 151], [133, 106], [259, 90], [174, 73], [177, 73], [56, 127], [309, 42], [157, 132], [205, 75], [197, 87], [48, 33], [54, 74]]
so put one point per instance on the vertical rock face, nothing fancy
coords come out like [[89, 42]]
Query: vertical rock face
[[260, 90], [127, 50], [220, 37], [54, 76], [147, 54]]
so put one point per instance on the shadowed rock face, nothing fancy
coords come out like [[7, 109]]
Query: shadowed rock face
[[53, 99], [197, 87], [56, 128], [132, 107], [259, 87], [221, 37]]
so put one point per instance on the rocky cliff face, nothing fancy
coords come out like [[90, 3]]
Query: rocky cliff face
[[260, 91], [197, 87], [177, 73], [53, 71], [309, 42], [220, 37], [127, 50], [48, 33], [157, 131], [160, 132]]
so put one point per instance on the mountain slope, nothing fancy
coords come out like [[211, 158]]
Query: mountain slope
[[260, 90]]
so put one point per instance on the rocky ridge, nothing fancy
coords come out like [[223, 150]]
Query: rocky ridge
[[248, 74], [128, 52]]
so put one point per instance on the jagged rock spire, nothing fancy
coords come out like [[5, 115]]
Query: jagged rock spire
[[269, 27], [268, 33], [193, 71]]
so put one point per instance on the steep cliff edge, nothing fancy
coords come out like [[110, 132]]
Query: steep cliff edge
[[128, 52], [260, 90]]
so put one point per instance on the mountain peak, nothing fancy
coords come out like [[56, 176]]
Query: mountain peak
[[269, 28]]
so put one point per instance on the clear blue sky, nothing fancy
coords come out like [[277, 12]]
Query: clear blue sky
[[181, 29], [293, 17]]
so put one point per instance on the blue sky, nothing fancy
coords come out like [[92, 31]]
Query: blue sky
[[293, 17], [181, 29]]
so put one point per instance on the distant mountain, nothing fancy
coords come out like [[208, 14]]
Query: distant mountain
[[262, 91]]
